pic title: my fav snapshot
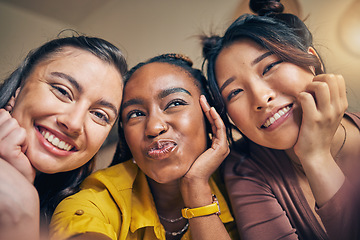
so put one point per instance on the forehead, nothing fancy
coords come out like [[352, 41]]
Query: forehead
[[245, 49], [158, 76], [88, 71]]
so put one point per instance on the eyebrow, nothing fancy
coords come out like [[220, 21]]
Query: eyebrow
[[79, 88], [134, 101], [169, 91], [162, 94], [261, 57], [105, 103], [256, 60], [226, 83], [70, 79]]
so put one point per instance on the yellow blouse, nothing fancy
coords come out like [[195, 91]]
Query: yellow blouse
[[118, 203]]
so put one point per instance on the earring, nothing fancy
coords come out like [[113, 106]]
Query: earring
[[133, 160]]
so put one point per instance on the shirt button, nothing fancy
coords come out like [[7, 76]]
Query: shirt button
[[79, 212]]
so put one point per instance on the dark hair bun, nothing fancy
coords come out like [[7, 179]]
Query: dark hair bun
[[209, 42], [264, 7]]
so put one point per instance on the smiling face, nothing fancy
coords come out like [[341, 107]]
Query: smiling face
[[67, 106], [260, 93], [163, 121]]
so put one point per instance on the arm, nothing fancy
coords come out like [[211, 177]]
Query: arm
[[195, 188], [341, 214], [258, 214], [88, 214], [324, 103], [19, 205]]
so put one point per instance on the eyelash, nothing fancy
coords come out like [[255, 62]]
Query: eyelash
[[268, 68], [66, 94], [234, 93], [128, 116], [103, 117], [175, 101], [62, 91], [140, 113]]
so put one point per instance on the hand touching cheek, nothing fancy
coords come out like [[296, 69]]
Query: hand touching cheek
[[13, 145]]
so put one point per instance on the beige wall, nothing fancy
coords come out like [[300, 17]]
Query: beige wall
[[142, 28]]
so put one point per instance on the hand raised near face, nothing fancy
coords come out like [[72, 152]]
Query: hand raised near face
[[211, 159], [13, 145], [323, 104]]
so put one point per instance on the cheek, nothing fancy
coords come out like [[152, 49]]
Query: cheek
[[96, 137], [239, 113], [196, 133], [294, 80], [132, 136]]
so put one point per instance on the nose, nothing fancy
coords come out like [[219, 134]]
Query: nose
[[155, 126], [72, 121], [262, 96]]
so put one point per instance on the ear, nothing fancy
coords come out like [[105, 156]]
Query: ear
[[11, 103], [312, 51]]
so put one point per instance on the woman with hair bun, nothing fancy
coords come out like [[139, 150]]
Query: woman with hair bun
[[294, 172]]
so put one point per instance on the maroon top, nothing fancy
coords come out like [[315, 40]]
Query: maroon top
[[268, 202]]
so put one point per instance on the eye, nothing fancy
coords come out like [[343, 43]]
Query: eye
[[270, 66], [134, 114], [234, 93], [61, 92], [101, 117], [175, 103]]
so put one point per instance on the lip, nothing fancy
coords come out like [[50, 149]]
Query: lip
[[50, 147], [276, 117], [161, 149]]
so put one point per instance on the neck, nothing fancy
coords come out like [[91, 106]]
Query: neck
[[167, 197]]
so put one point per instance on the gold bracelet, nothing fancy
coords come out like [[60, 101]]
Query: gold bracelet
[[213, 208]]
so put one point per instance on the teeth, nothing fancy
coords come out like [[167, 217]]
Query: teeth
[[56, 141], [276, 116]]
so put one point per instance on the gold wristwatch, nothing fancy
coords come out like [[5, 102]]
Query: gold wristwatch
[[213, 208]]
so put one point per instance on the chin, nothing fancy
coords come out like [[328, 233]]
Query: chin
[[44, 166]]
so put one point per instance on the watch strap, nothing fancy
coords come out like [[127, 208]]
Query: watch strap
[[212, 208]]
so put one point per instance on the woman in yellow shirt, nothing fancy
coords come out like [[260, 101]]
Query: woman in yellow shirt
[[166, 191]]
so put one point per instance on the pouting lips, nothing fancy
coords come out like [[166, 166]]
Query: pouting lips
[[161, 147], [276, 116]]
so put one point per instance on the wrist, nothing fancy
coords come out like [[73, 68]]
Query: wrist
[[206, 210], [196, 194]]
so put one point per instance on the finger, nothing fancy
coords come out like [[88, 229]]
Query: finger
[[332, 81], [13, 144], [320, 93], [337, 88], [220, 138], [342, 92], [4, 115], [308, 105], [7, 126], [206, 108]]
